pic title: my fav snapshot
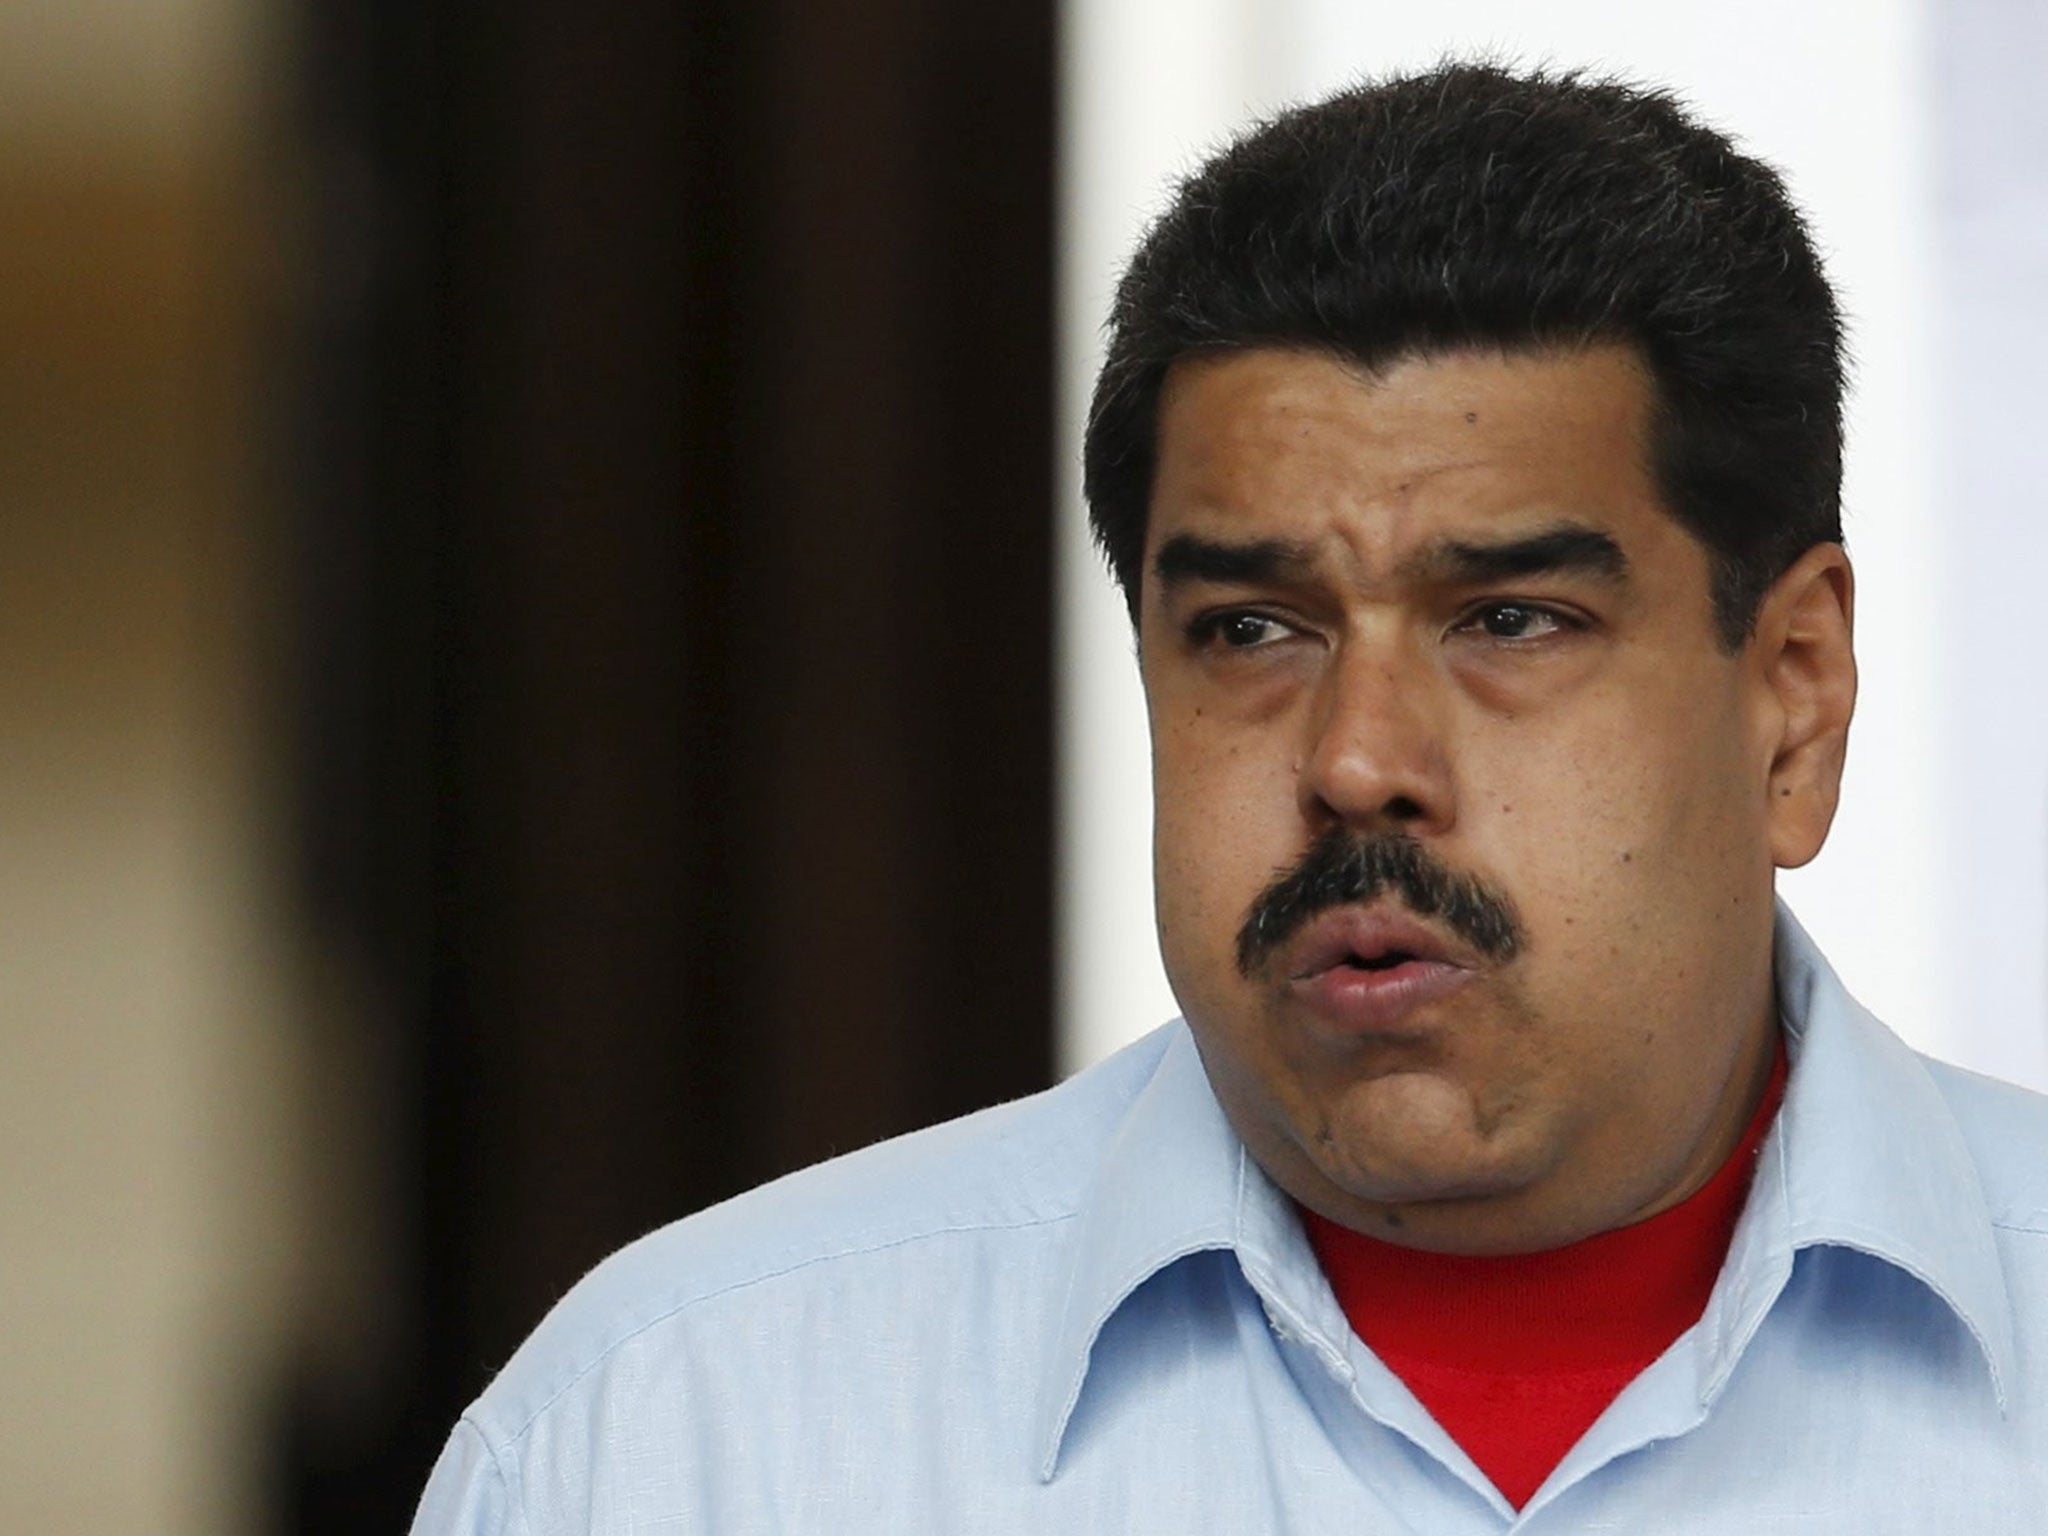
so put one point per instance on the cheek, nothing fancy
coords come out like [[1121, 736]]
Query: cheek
[[1223, 825], [1628, 838]]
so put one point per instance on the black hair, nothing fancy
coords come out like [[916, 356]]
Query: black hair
[[1472, 207]]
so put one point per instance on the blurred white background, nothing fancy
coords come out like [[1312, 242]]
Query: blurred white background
[[1912, 137]]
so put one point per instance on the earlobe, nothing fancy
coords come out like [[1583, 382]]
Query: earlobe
[[1805, 651]]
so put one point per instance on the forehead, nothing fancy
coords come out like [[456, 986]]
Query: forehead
[[1368, 467]]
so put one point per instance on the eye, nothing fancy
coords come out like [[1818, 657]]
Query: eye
[[1237, 629], [1517, 621]]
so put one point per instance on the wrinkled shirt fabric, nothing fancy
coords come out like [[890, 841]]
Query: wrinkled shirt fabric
[[1090, 1311]]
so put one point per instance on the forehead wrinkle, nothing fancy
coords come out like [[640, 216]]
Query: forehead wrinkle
[[1370, 537]]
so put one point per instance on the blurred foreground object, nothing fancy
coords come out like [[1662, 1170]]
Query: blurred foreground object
[[148, 1040]]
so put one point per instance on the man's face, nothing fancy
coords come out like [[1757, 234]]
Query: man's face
[[1465, 821]]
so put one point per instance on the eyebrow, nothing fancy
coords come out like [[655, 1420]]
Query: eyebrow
[[1564, 549], [1189, 557]]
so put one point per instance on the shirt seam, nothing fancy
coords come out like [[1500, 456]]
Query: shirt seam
[[515, 1488], [763, 1278]]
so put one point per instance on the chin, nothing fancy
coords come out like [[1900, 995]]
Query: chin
[[1432, 1163], [1421, 1184]]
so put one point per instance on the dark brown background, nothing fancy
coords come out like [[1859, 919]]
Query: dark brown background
[[674, 477]]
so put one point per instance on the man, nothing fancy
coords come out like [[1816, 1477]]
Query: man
[[1469, 451]]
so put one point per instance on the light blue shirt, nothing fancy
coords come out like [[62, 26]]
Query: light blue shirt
[[1089, 1311]]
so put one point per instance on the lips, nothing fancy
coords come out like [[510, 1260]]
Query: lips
[[1371, 970]]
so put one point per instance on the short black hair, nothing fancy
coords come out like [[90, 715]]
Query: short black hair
[[1471, 207]]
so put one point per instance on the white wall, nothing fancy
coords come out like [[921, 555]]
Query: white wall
[[1988, 131], [1839, 96]]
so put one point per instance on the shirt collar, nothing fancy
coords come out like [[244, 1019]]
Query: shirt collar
[[1167, 1188], [1866, 1155]]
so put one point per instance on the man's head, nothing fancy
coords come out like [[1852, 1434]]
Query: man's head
[[1468, 449], [1471, 207]]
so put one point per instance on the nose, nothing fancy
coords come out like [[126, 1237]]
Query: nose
[[1377, 759]]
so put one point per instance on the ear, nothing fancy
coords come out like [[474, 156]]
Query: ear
[[1806, 670]]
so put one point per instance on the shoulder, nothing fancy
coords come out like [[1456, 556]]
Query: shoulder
[[2006, 1129], [992, 1178]]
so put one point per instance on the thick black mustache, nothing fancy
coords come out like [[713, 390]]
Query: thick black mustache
[[1344, 868]]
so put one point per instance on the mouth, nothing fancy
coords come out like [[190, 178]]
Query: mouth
[[1385, 960], [1372, 971], [1371, 940]]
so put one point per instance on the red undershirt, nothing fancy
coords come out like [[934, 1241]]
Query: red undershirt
[[1516, 1356]]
